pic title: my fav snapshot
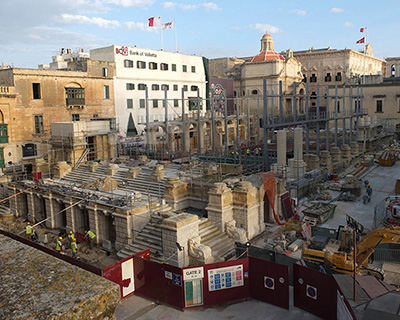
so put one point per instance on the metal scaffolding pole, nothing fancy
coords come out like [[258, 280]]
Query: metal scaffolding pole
[[146, 99], [280, 103], [307, 119], [318, 119], [199, 139], [226, 130], [258, 118], [265, 124], [294, 102], [237, 125], [213, 122], [357, 111], [336, 117], [248, 118], [165, 105], [327, 116], [344, 115], [351, 113], [184, 142]]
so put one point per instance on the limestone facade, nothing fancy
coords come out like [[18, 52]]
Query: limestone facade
[[30, 100]]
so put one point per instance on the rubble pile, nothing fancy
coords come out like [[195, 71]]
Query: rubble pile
[[102, 184]]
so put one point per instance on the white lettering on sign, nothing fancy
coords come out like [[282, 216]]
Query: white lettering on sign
[[193, 273]]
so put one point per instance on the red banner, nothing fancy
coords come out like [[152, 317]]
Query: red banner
[[270, 189]]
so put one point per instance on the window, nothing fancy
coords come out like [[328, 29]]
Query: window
[[106, 92], [193, 69], [193, 88], [176, 103], [155, 103], [75, 117], [175, 87], [95, 116], [173, 67], [128, 63], [153, 65], [338, 106], [155, 87], [163, 66], [141, 86], [39, 124], [36, 91], [254, 92], [129, 103], [141, 65], [234, 93], [105, 72], [379, 104], [304, 79], [328, 77], [194, 102], [357, 105], [185, 88], [29, 150], [74, 96], [130, 86], [184, 68], [142, 104], [164, 87], [313, 78], [393, 70], [338, 76]]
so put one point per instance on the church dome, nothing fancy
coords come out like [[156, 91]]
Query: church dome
[[267, 52]]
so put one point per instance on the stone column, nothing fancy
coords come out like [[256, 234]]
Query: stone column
[[49, 211], [176, 193], [153, 136], [171, 140], [355, 149], [346, 152], [220, 205], [94, 222], [178, 230], [123, 229], [246, 209], [336, 154], [326, 160], [187, 137], [297, 165], [281, 148]]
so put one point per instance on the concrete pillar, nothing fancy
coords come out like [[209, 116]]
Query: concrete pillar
[[326, 160], [178, 230], [187, 138], [94, 222], [336, 154], [49, 211], [123, 230], [153, 136], [220, 205], [281, 148], [298, 144], [355, 149], [176, 193], [346, 152], [171, 141]]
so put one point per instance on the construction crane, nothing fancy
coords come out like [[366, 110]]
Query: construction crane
[[337, 256]]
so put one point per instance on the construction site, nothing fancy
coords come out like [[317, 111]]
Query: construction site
[[279, 179]]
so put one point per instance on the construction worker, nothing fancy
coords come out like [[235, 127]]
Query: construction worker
[[369, 192], [35, 235], [248, 151], [59, 245], [90, 235], [28, 231], [74, 248], [71, 238]]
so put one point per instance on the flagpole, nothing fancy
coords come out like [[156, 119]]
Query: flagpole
[[162, 39], [176, 42], [365, 51]]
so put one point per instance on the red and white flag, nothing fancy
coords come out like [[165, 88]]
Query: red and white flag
[[168, 25], [362, 40], [154, 21], [363, 29]]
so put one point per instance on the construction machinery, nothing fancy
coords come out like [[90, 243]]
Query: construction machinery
[[393, 206], [337, 255]]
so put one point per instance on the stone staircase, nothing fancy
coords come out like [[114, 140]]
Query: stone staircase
[[141, 183], [151, 235], [5, 211], [222, 247]]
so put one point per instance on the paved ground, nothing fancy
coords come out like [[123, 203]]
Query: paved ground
[[141, 309], [383, 181]]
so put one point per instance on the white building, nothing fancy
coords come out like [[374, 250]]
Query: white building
[[137, 68]]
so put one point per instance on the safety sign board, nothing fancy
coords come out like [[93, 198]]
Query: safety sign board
[[177, 279], [193, 273], [225, 278], [311, 292], [269, 283]]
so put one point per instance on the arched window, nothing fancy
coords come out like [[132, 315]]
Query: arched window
[[254, 92], [393, 68]]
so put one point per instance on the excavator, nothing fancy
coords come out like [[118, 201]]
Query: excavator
[[337, 255]]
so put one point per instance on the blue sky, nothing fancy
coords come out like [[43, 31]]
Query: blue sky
[[32, 31]]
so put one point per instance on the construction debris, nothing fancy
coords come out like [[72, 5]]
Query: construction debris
[[102, 184]]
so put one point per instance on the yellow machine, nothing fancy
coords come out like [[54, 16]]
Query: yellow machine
[[337, 256]]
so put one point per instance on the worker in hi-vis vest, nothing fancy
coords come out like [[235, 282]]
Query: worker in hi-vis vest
[[59, 245], [90, 235], [74, 248], [28, 231]]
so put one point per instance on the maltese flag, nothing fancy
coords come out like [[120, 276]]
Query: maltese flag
[[363, 29], [154, 21], [168, 25], [362, 40]]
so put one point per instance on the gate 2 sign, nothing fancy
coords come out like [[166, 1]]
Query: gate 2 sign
[[269, 283], [193, 273]]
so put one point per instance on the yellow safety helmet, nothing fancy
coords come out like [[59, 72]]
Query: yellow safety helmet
[[29, 223], [70, 232], [59, 238]]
